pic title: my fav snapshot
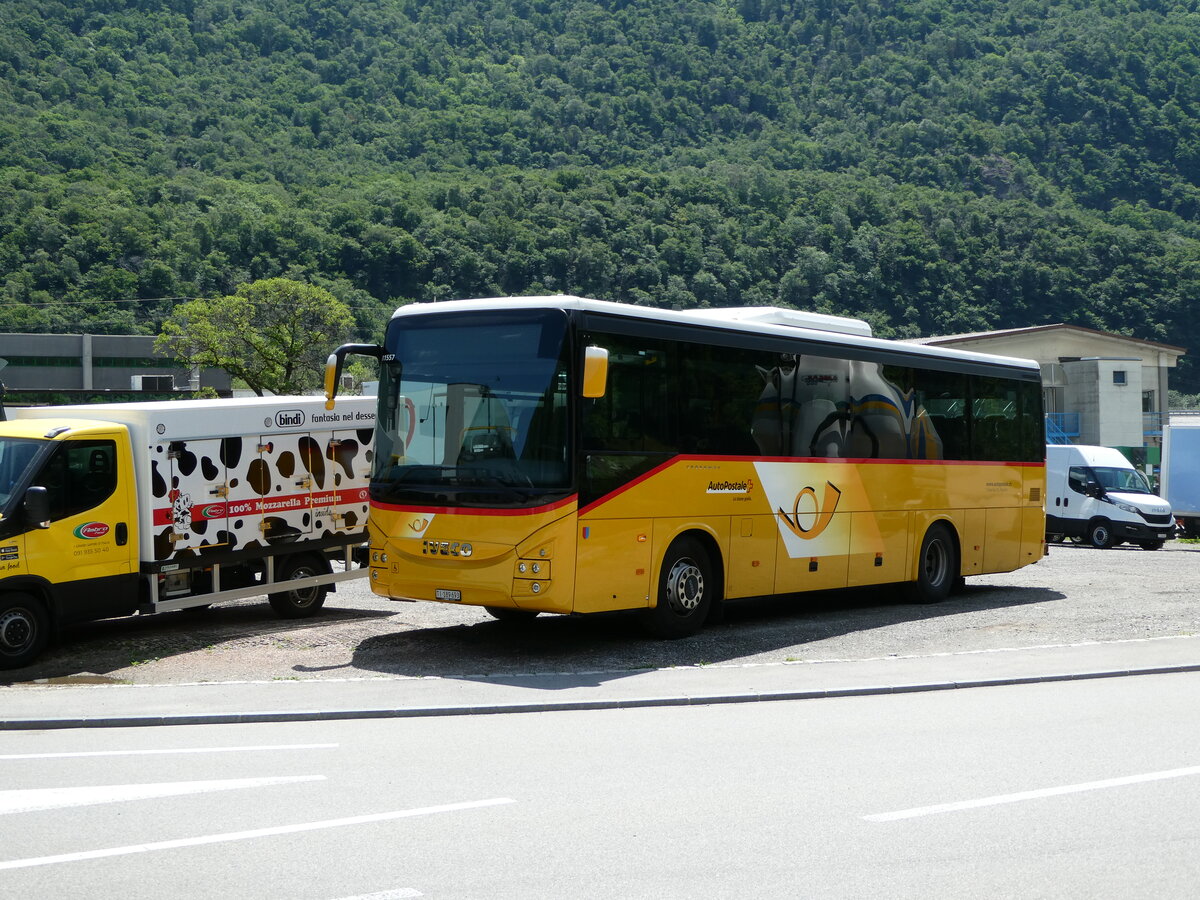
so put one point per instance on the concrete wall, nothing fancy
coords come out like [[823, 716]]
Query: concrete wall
[[99, 362], [1110, 414]]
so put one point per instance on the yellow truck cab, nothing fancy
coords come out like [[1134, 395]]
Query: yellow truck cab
[[115, 509]]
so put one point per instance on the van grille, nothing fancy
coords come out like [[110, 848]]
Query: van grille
[[1157, 520]]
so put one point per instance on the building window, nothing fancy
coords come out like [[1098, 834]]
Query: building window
[[1119, 376]]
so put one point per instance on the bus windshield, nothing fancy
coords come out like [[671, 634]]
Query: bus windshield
[[473, 410]]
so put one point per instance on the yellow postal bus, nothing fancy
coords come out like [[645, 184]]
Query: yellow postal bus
[[563, 455]]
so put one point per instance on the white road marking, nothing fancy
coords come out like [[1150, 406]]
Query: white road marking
[[247, 835], [397, 894], [34, 799], [1031, 795], [83, 753]]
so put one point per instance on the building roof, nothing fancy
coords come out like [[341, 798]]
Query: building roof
[[1033, 329]]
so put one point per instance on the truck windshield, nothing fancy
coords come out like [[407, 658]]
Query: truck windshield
[[473, 410], [16, 455], [1128, 481]]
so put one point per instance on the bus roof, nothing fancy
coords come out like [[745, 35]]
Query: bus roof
[[773, 320]]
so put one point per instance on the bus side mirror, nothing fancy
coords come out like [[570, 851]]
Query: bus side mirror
[[333, 366], [37, 507], [595, 372]]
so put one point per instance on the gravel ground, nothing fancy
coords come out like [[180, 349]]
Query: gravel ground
[[1076, 594]]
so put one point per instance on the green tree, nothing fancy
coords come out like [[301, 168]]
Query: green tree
[[274, 334]]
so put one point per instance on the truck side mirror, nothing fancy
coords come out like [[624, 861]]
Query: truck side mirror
[[595, 372], [37, 507]]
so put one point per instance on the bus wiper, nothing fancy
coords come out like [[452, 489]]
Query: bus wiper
[[489, 479]]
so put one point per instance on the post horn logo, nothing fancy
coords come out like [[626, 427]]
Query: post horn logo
[[823, 510]]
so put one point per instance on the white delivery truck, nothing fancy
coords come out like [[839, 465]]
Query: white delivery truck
[[1180, 479], [1094, 494], [122, 508]]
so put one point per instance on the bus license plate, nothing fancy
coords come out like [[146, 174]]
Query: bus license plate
[[441, 594]]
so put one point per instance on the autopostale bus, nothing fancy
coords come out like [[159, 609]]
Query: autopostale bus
[[565, 455]]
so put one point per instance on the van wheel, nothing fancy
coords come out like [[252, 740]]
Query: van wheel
[[299, 603], [937, 567], [24, 630], [686, 591], [1100, 535]]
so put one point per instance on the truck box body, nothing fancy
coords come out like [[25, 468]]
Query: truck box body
[[164, 505], [220, 475], [1180, 480], [1095, 494]]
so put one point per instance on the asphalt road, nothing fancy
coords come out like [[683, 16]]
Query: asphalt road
[[1072, 790], [1076, 594]]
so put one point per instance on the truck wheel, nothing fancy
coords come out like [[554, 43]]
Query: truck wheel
[[937, 567], [1100, 535], [24, 630], [686, 591], [299, 603]]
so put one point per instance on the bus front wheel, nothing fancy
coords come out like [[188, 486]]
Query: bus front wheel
[[686, 591], [937, 567]]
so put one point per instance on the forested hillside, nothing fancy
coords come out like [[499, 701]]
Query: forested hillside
[[934, 166]]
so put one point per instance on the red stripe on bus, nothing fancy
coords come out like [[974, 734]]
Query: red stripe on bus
[[464, 511]]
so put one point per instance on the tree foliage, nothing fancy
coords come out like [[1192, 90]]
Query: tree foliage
[[932, 166], [274, 334]]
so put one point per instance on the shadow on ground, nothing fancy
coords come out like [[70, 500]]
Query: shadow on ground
[[85, 653], [575, 651]]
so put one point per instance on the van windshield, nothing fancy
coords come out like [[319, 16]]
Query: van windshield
[[1128, 481]]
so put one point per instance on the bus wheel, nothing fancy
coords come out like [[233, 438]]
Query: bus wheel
[[1100, 534], [937, 567], [686, 591], [24, 630], [511, 614], [299, 603]]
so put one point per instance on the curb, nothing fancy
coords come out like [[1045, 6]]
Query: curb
[[413, 712]]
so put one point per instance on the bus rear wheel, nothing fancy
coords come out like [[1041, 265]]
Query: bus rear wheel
[[937, 567], [686, 591]]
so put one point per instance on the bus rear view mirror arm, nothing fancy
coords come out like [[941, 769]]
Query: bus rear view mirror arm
[[333, 366]]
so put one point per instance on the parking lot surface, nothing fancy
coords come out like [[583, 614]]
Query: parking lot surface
[[1076, 595]]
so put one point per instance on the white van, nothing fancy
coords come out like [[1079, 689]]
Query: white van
[[1094, 494]]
